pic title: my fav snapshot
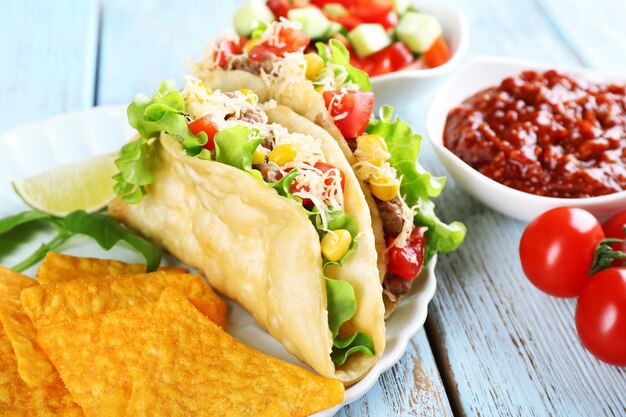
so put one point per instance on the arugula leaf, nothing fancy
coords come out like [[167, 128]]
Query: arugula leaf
[[418, 186], [339, 55], [234, 146], [105, 230]]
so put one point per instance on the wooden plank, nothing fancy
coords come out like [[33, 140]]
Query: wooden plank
[[138, 50], [150, 41], [412, 387], [503, 347], [48, 58], [604, 19]]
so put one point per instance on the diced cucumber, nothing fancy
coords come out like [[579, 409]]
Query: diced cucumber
[[400, 5], [314, 23], [335, 10], [368, 38], [248, 17], [418, 30]]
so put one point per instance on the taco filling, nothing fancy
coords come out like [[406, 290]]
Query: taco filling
[[233, 128]]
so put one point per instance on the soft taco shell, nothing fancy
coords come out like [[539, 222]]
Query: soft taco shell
[[301, 97], [260, 249]]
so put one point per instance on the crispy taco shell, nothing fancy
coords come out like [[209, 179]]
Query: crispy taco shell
[[260, 249]]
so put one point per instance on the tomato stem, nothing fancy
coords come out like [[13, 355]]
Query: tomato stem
[[604, 254]]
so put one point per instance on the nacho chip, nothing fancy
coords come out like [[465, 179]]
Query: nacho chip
[[17, 400], [191, 367], [54, 302], [95, 356], [58, 267]]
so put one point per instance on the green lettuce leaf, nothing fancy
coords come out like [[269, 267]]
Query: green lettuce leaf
[[418, 186], [339, 55], [342, 307], [234, 146], [337, 219]]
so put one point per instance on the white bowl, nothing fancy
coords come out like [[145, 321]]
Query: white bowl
[[475, 75], [395, 87]]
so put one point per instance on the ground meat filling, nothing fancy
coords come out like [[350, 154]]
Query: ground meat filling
[[269, 171], [244, 63], [391, 215], [396, 285]]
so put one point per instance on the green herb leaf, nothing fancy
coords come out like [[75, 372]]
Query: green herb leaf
[[234, 146], [11, 222], [418, 186], [357, 343]]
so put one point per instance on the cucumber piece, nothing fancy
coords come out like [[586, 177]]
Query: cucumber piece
[[248, 17], [368, 38], [314, 23], [418, 31], [401, 6], [335, 10]]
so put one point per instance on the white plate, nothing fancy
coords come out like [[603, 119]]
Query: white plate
[[398, 87], [28, 150], [482, 72]]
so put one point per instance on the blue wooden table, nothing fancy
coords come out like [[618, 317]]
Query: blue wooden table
[[493, 345]]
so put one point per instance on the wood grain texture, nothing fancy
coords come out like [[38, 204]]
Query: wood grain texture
[[48, 58], [504, 347], [594, 30], [150, 41], [412, 387]]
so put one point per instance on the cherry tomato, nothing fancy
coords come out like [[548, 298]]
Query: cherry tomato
[[614, 227], [438, 54], [407, 261], [601, 316], [353, 108], [225, 50], [324, 167], [204, 124], [557, 249], [289, 40]]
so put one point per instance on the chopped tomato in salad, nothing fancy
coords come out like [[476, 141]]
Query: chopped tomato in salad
[[351, 110]]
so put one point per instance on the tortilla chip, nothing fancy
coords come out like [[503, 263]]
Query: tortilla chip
[[33, 366], [95, 356], [58, 267], [55, 302], [191, 367]]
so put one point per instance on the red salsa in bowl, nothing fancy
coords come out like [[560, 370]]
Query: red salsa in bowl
[[545, 133]]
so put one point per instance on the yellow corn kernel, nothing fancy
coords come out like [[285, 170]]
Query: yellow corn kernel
[[383, 187], [335, 244], [319, 89], [314, 65], [372, 148], [257, 157], [282, 154], [250, 96]]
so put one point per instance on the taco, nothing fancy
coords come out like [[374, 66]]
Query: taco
[[326, 89], [264, 203]]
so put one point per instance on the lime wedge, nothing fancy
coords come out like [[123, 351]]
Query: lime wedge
[[83, 185]]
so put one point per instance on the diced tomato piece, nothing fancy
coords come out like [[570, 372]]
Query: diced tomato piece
[[288, 40], [324, 167], [349, 21], [351, 110], [407, 261], [322, 3], [400, 55], [279, 7], [392, 58], [438, 54], [375, 11], [225, 50], [204, 124]]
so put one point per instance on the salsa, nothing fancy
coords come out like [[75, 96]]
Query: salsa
[[544, 133]]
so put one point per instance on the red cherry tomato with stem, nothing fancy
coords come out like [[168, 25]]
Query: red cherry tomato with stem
[[557, 250], [601, 316], [614, 227], [204, 124]]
